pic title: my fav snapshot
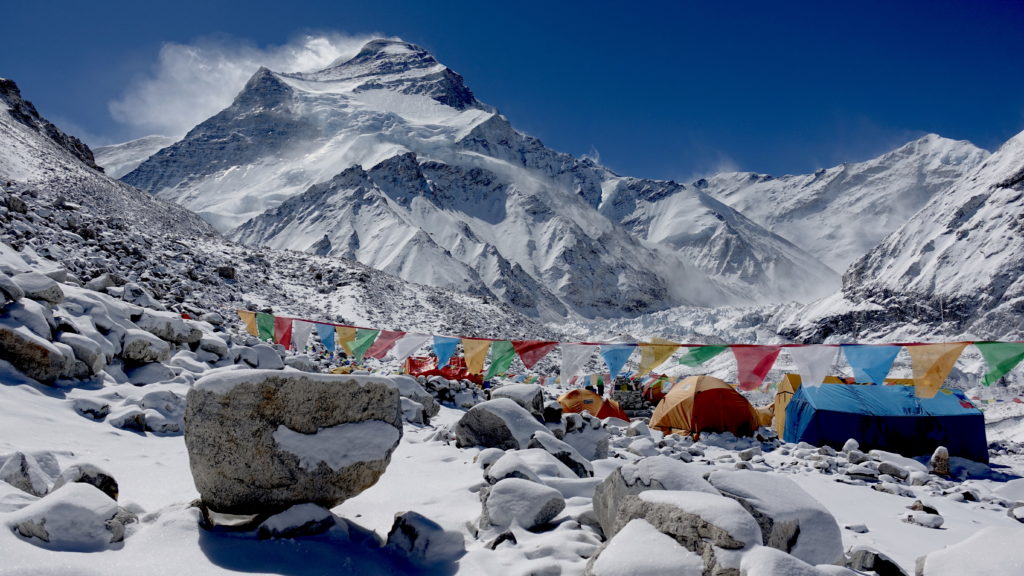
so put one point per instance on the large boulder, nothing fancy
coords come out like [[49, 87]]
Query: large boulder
[[499, 423], [88, 474], [564, 452], [260, 441], [39, 287], [24, 473], [654, 473], [529, 396], [86, 350], [790, 519], [32, 354], [76, 518], [142, 346], [409, 388], [992, 550], [768, 561], [423, 541], [169, 326], [639, 549], [586, 434], [515, 501]]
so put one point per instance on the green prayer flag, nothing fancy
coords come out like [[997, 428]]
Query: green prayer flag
[[265, 326], [700, 354], [1001, 357], [502, 354], [364, 339]]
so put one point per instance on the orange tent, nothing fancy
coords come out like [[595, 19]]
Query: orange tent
[[703, 403], [576, 401]]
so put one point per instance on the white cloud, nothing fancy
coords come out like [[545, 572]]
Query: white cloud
[[191, 82]]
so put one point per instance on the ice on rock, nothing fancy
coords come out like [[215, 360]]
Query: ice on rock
[[498, 423], [76, 518], [518, 502]]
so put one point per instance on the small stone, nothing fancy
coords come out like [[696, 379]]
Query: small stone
[[858, 528], [893, 470], [851, 445], [919, 506], [940, 461], [299, 520], [88, 474], [925, 519]]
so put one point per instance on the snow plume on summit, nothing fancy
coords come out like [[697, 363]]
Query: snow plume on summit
[[191, 82]]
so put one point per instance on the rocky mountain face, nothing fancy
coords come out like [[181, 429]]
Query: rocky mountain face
[[840, 213], [23, 112], [956, 267], [85, 229], [390, 159]]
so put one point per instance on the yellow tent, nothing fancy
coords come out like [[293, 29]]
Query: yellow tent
[[787, 387], [704, 403]]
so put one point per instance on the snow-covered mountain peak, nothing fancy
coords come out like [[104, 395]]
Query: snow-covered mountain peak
[[23, 112]]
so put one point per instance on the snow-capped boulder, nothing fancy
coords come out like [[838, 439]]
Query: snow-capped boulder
[[498, 423], [12, 499], [87, 351], [24, 473], [639, 549], [586, 434], [552, 412], [76, 518], [142, 346], [768, 561], [267, 357], [263, 440], [510, 465], [565, 453], [529, 396], [515, 501], [35, 356], [862, 557], [149, 373], [412, 411], [169, 326], [409, 388], [299, 520], [39, 287], [654, 473], [423, 541], [790, 518], [88, 474], [214, 345], [693, 519], [302, 363]]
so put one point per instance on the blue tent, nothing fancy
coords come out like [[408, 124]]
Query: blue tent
[[887, 418]]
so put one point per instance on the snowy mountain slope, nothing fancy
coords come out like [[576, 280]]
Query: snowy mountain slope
[[481, 207], [24, 113], [957, 266], [83, 225], [120, 159], [815, 211]]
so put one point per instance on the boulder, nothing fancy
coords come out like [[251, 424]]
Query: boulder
[[24, 473], [299, 520], [515, 501], [790, 519], [409, 388], [586, 434], [9, 291], [639, 549], [33, 355], [141, 346], [39, 287], [302, 363], [267, 357], [412, 412], [423, 541], [939, 462], [88, 474], [260, 441], [654, 473], [529, 396], [693, 519], [86, 350], [169, 326], [499, 423], [865, 558], [76, 518], [768, 561], [510, 465], [565, 453], [552, 412]]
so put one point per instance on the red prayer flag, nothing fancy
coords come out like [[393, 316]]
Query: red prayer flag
[[531, 351], [385, 341], [283, 331], [753, 364]]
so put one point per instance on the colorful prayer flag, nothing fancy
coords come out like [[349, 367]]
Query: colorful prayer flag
[[531, 351], [502, 354], [265, 326], [326, 334], [812, 362], [654, 353], [364, 340], [574, 358], [345, 337], [476, 353], [615, 356], [932, 363], [1001, 357], [870, 363], [384, 342], [444, 348], [409, 343], [698, 355], [300, 334], [249, 319], [753, 364]]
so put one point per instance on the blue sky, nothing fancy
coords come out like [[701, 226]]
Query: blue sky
[[656, 89]]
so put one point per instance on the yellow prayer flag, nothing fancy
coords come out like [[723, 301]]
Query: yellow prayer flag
[[476, 352], [345, 336], [654, 353], [932, 363], [249, 318]]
